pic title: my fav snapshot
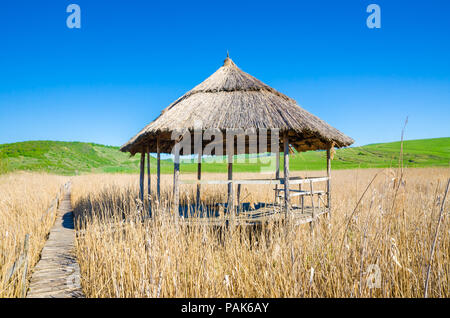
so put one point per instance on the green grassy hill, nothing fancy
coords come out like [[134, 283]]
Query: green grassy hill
[[64, 157], [71, 158]]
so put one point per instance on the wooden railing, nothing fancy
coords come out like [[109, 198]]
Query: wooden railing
[[293, 180], [280, 181]]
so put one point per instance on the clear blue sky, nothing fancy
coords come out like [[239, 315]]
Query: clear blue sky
[[131, 59]]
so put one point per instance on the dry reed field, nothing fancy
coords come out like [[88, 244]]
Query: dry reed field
[[377, 243], [24, 200]]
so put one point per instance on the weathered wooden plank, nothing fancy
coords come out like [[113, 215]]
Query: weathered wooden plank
[[21, 261], [287, 200], [329, 181], [199, 176], [254, 181], [158, 170], [149, 184], [176, 179], [299, 190], [313, 215], [141, 177], [307, 180], [204, 181], [304, 193], [238, 196], [230, 181], [25, 266], [312, 199], [230, 184], [302, 199], [277, 173], [257, 181], [53, 206]]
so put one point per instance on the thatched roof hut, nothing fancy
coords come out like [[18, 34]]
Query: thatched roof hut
[[229, 99]]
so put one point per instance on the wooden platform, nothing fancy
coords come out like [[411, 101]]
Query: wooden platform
[[263, 212], [57, 274], [256, 216]]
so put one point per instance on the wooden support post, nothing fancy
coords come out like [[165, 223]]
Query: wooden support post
[[230, 183], [26, 248], [149, 184], [329, 180], [311, 224], [303, 203], [312, 200], [300, 195], [141, 177], [238, 198], [176, 179], [277, 174], [199, 177], [287, 198], [158, 170]]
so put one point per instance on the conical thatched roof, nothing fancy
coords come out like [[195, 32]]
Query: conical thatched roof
[[231, 98]]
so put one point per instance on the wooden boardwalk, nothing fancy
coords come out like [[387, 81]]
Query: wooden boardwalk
[[57, 274]]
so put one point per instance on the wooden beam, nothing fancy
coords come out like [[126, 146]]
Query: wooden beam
[[286, 172], [296, 193], [176, 178], [303, 201], [312, 201], [277, 173], [306, 180], [329, 180], [311, 224], [149, 184], [301, 196], [226, 182], [199, 177], [158, 170], [238, 198], [230, 184], [141, 176], [256, 181]]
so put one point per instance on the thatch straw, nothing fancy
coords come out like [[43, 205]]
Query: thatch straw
[[229, 99]]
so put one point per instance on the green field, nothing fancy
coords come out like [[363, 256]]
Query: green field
[[70, 158]]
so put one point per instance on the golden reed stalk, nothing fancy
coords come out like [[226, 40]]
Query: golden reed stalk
[[386, 237]]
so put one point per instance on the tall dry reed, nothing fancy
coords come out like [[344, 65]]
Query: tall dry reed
[[377, 243], [24, 199]]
